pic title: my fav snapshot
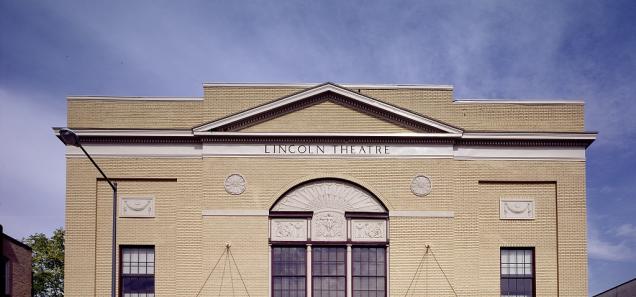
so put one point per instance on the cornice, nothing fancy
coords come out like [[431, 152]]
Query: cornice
[[148, 136]]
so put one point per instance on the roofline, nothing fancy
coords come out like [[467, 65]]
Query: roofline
[[616, 287], [17, 242], [133, 98], [348, 86], [319, 89], [345, 85], [531, 135], [518, 101]]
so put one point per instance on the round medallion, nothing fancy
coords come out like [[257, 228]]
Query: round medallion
[[421, 185], [235, 184]]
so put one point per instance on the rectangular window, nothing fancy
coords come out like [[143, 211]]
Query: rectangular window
[[329, 271], [138, 272], [517, 272], [289, 267], [7, 276], [369, 271]]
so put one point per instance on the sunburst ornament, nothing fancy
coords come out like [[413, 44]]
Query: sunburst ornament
[[331, 195], [421, 185], [235, 184]]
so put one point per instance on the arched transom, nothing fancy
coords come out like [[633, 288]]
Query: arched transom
[[329, 195], [329, 201]]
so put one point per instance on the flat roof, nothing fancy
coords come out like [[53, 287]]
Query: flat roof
[[346, 85]]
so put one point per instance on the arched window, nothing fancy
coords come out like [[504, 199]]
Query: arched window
[[329, 238]]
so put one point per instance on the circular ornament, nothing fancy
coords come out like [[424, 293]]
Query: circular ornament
[[421, 185], [235, 184]]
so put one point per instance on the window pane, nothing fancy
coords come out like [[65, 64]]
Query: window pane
[[288, 268], [369, 271], [516, 272], [137, 277], [329, 278]]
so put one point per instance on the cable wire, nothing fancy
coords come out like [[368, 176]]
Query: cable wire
[[231, 277], [440, 268], [213, 268], [416, 271], [223, 274], [239, 273]]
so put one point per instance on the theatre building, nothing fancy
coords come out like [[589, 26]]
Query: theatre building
[[288, 190]]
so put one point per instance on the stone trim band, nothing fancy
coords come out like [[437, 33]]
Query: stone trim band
[[265, 213]]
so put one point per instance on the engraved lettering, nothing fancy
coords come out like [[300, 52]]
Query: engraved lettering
[[314, 149]]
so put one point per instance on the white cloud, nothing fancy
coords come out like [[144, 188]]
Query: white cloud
[[604, 250], [602, 246], [627, 231]]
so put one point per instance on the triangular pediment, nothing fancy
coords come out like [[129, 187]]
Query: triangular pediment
[[327, 108], [328, 116]]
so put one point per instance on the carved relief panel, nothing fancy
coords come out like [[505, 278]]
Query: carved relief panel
[[368, 230], [516, 209], [328, 226], [137, 207], [288, 230], [329, 200]]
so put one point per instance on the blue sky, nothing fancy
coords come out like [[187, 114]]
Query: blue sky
[[486, 49]]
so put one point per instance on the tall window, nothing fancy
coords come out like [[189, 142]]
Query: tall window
[[369, 271], [329, 272], [517, 272], [138, 272], [289, 271], [7, 276]]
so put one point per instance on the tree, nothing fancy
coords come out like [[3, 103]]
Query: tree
[[48, 263]]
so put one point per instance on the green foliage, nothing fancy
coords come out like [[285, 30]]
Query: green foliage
[[48, 263]]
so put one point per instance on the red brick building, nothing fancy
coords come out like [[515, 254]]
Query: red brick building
[[16, 267]]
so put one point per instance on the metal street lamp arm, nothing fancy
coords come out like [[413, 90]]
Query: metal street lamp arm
[[112, 185]]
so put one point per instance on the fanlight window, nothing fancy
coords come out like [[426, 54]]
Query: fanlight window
[[341, 229], [327, 202]]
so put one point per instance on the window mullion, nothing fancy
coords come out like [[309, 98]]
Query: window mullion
[[309, 278], [349, 276]]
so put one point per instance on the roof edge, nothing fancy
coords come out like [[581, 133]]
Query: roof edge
[[133, 98], [17, 242], [346, 85], [321, 88], [615, 287], [518, 101]]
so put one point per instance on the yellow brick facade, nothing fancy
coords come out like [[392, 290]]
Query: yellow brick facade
[[188, 244]]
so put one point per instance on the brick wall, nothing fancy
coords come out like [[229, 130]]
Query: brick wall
[[467, 246], [187, 244], [219, 102], [19, 257]]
